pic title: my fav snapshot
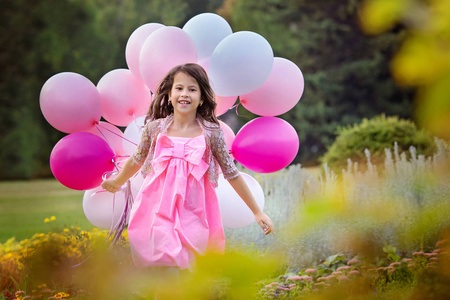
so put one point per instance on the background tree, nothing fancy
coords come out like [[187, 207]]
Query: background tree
[[346, 72], [39, 39], [347, 76]]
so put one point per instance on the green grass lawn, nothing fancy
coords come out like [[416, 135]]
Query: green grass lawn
[[24, 205]]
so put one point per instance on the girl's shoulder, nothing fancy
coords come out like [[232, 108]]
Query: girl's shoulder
[[210, 126], [154, 125]]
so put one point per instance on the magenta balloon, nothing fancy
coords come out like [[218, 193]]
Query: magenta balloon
[[134, 45], [70, 102], [111, 134], [279, 93], [164, 49], [124, 97], [266, 145], [80, 159]]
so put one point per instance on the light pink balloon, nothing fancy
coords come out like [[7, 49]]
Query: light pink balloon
[[204, 62], [224, 104], [228, 134], [70, 102], [266, 145], [279, 93], [134, 45], [103, 209], [164, 49], [111, 134], [80, 159], [124, 97]]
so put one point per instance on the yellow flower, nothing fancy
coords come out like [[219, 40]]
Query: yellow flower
[[46, 220], [61, 295], [66, 230], [52, 218]]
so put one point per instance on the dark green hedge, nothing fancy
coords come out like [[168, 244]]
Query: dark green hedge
[[376, 134]]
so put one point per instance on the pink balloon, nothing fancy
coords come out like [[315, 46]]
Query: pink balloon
[[70, 102], [134, 45], [111, 134], [124, 97], [164, 49], [228, 134], [266, 145], [224, 104], [204, 62], [80, 159], [279, 93]]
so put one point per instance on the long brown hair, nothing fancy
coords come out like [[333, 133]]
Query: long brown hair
[[160, 107]]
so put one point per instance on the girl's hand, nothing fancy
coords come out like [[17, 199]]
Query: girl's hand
[[110, 185], [265, 222]]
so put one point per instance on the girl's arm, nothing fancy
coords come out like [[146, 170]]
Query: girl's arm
[[128, 170], [133, 164], [244, 192]]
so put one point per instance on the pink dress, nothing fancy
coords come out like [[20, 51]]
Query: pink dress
[[176, 214]]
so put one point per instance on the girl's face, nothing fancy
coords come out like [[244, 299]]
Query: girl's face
[[185, 94]]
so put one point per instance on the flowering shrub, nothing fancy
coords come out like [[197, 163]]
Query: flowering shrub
[[405, 205], [46, 258], [339, 276]]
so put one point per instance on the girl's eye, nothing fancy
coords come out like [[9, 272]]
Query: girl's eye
[[193, 90]]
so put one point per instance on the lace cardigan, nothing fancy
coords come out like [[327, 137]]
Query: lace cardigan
[[216, 154]]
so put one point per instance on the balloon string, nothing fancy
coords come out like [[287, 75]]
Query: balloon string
[[235, 106], [115, 134], [104, 137]]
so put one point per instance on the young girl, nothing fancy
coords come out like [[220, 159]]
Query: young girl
[[176, 213]]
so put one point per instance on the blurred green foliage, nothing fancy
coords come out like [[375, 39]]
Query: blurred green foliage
[[423, 60], [376, 135], [39, 39], [346, 72], [347, 75]]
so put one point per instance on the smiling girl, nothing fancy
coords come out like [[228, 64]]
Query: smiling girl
[[176, 214]]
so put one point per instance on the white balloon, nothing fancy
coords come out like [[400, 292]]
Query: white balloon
[[240, 63], [137, 180], [132, 135], [103, 209], [207, 30], [235, 213]]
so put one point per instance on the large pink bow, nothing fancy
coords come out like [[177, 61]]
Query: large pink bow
[[191, 151]]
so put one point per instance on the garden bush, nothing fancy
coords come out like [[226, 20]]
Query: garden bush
[[376, 135]]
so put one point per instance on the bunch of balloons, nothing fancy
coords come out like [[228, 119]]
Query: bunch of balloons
[[239, 64]]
